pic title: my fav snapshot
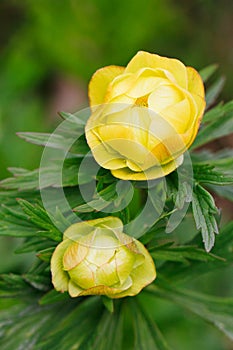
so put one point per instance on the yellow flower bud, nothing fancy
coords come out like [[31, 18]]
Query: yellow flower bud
[[96, 257], [144, 116]]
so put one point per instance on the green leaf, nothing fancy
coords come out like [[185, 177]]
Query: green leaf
[[208, 71], [218, 311], [214, 91], [53, 297], [108, 303], [108, 333], [45, 254], [219, 124], [38, 216], [36, 244], [75, 145], [204, 212], [15, 223], [147, 333], [185, 272], [169, 252], [207, 173], [12, 285], [59, 173], [39, 282], [71, 328], [114, 196], [105, 198]]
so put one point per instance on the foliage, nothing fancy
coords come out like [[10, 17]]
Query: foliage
[[35, 316]]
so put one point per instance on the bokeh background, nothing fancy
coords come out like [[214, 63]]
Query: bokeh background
[[49, 50]]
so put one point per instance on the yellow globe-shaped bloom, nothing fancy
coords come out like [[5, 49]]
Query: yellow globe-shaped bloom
[[144, 116], [97, 258]]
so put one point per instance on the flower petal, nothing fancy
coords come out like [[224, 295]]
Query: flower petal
[[146, 82], [195, 83], [149, 174], [100, 81], [74, 290], [74, 255], [143, 274], [103, 249], [163, 97], [107, 274], [124, 263], [83, 275], [178, 115], [145, 59], [60, 278]]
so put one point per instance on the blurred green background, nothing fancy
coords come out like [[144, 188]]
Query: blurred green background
[[49, 50]]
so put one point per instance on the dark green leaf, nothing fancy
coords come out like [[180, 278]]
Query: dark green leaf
[[147, 334], [108, 303], [185, 272], [53, 297], [39, 282], [206, 173], [38, 216], [218, 311], [169, 252]]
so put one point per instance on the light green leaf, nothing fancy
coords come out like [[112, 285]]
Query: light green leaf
[[208, 71], [204, 212], [76, 145], [58, 174], [221, 125], [214, 91]]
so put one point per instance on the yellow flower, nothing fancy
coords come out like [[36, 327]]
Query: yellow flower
[[144, 116], [96, 257]]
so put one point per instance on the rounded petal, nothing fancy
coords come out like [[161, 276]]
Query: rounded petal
[[124, 261], [143, 274], [103, 249], [149, 174], [149, 60], [100, 81], [107, 274], [110, 222], [195, 83], [73, 289], [60, 278], [108, 268], [83, 275], [164, 96], [74, 255], [178, 115]]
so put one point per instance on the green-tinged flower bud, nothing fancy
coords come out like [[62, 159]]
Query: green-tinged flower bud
[[96, 257]]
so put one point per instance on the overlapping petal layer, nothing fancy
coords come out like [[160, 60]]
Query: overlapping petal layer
[[148, 115], [96, 257]]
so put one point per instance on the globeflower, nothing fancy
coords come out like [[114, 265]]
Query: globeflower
[[97, 258], [144, 116]]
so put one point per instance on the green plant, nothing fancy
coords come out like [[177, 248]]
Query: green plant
[[40, 204]]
